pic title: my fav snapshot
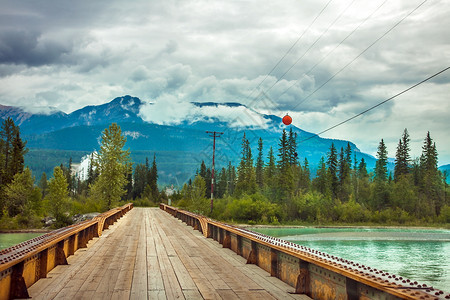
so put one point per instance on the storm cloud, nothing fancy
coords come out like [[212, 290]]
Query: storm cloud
[[332, 62]]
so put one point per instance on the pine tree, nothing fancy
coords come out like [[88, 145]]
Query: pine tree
[[260, 165], [429, 155], [348, 155], [362, 189], [332, 163], [305, 178], [292, 148], [7, 134], [70, 178], [344, 174], [381, 194], [251, 174], [402, 157], [362, 169], [153, 181], [18, 154], [231, 179], [113, 164], [221, 183], [354, 177], [246, 181], [12, 151], [286, 182], [139, 179], [320, 182], [203, 170], [381, 173], [270, 176], [283, 152], [431, 183]]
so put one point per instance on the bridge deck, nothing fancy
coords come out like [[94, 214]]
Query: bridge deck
[[148, 254]]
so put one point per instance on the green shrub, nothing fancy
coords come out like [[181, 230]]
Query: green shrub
[[444, 216]]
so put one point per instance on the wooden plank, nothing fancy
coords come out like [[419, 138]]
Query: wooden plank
[[192, 294], [157, 294], [228, 294], [139, 283], [155, 280], [183, 276], [125, 277], [109, 279], [204, 287], [260, 278], [163, 248], [120, 295], [202, 284], [210, 274], [254, 294]]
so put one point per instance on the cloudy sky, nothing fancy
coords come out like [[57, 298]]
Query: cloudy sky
[[320, 61]]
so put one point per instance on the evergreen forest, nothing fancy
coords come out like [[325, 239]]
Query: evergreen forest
[[280, 188], [276, 189]]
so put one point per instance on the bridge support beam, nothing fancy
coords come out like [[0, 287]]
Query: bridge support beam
[[273, 262], [253, 256], [227, 240], [18, 286], [60, 255], [303, 285], [43, 262], [351, 287]]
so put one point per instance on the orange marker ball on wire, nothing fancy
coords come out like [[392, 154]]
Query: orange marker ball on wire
[[287, 120]]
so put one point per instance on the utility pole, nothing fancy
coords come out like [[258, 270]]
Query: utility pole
[[213, 134]]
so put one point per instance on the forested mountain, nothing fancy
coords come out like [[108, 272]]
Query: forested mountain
[[179, 147]]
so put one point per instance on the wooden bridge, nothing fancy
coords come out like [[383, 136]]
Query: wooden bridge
[[149, 254]]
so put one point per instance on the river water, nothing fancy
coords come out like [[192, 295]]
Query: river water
[[11, 239], [419, 254]]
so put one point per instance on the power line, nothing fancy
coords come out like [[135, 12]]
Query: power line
[[312, 45], [337, 46], [381, 103], [290, 49], [360, 54]]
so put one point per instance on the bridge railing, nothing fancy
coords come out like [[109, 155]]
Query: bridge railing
[[311, 272], [25, 263]]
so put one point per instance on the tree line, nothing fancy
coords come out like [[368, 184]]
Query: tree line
[[281, 188], [272, 189], [110, 182]]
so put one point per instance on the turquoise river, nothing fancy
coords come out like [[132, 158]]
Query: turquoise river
[[419, 254]]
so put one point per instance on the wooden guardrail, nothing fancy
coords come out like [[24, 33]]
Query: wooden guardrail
[[311, 272], [25, 263]]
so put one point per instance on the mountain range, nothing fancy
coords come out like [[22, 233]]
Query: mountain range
[[179, 143]]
